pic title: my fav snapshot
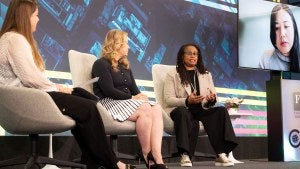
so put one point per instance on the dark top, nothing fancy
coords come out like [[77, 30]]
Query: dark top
[[194, 83], [193, 77], [117, 85]]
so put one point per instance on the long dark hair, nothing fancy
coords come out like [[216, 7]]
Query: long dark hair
[[294, 52], [180, 65]]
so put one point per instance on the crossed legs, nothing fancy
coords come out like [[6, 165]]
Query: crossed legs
[[149, 129]]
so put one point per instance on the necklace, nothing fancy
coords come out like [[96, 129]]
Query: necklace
[[193, 85]]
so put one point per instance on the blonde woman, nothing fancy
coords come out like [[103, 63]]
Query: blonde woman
[[119, 93]]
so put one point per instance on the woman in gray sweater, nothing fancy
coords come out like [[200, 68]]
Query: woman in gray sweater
[[285, 39]]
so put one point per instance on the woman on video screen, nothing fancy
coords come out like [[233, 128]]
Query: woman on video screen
[[285, 39]]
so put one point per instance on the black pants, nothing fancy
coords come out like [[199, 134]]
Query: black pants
[[217, 125], [89, 131]]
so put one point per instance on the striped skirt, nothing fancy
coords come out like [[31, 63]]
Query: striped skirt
[[122, 109]]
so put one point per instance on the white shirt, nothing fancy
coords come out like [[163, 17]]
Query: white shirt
[[17, 67]]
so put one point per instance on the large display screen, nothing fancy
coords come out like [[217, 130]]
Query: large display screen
[[255, 45], [156, 29]]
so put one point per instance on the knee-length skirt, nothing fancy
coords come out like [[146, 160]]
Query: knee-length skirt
[[121, 110]]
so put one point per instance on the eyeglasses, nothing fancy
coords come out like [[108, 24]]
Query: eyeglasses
[[191, 53], [31, 1]]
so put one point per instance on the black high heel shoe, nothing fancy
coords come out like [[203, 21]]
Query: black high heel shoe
[[155, 165], [145, 160]]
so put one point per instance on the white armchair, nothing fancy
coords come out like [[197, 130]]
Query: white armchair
[[81, 70], [27, 111]]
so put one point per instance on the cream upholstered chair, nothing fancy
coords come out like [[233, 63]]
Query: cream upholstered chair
[[159, 72], [81, 69], [28, 111]]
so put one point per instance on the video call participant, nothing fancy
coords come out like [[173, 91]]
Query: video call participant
[[285, 39]]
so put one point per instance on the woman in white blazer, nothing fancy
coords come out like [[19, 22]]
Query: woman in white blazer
[[190, 97]]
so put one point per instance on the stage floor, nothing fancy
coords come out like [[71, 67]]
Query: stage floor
[[251, 150], [249, 164]]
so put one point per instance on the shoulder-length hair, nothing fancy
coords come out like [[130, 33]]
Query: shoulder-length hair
[[112, 43], [180, 65], [294, 52], [17, 19]]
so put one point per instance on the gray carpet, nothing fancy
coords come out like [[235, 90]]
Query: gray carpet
[[248, 164]]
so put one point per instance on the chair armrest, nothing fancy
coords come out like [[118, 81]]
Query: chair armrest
[[27, 110], [114, 127]]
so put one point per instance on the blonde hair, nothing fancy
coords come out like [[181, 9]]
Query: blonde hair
[[113, 41], [18, 19]]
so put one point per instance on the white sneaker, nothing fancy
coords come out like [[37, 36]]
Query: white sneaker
[[185, 161], [223, 161], [232, 159]]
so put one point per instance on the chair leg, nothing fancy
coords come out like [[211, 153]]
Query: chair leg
[[29, 163], [50, 154], [14, 161], [34, 159], [114, 144], [47, 160]]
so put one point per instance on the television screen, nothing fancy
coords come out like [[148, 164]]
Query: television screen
[[256, 49], [157, 29]]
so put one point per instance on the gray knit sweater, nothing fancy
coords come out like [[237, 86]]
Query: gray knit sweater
[[17, 67], [274, 60]]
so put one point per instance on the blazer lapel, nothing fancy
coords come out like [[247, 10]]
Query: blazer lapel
[[187, 88]]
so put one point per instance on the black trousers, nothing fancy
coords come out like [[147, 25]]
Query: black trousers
[[89, 131], [216, 122]]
